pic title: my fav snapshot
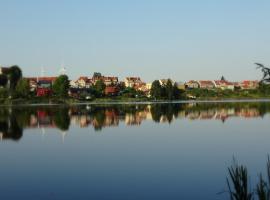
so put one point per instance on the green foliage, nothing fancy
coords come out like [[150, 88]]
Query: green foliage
[[238, 183], [97, 75], [3, 93], [166, 92], [99, 87], [61, 86], [23, 88], [129, 92], [14, 75], [263, 187], [3, 80], [156, 90], [264, 88], [169, 90]]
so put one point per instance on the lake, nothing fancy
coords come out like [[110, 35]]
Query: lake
[[129, 151]]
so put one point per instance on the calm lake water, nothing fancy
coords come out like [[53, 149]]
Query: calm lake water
[[158, 151]]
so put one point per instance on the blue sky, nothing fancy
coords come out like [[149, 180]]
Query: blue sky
[[153, 39]]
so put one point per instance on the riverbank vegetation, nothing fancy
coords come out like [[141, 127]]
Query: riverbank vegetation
[[239, 186], [15, 89]]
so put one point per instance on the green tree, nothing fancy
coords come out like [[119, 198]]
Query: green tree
[[223, 78], [100, 87], [97, 75], [23, 88], [156, 90], [3, 93], [61, 86], [14, 75], [3, 80], [176, 92], [169, 90]]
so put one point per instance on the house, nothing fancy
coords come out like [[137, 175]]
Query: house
[[83, 82], [3, 70], [109, 81], [32, 83], [132, 81], [207, 84], [224, 85], [192, 84], [111, 90], [249, 85], [149, 86], [73, 84], [44, 88], [51, 79], [142, 87]]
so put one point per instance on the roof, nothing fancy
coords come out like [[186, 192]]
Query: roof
[[85, 78], [31, 78], [36, 79], [206, 82], [223, 82], [111, 89], [4, 69], [52, 79], [249, 82], [133, 78]]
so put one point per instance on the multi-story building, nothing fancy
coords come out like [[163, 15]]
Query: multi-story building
[[224, 85], [192, 84], [132, 81]]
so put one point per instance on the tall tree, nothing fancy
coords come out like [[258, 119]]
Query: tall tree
[[61, 86], [176, 91], [169, 90], [23, 88], [223, 78], [3, 80], [100, 87], [156, 90], [14, 75], [97, 75]]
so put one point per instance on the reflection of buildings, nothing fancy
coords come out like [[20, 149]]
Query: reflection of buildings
[[223, 114], [99, 117]]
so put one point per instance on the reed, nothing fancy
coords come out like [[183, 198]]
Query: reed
[[263, 187], [238, 182]]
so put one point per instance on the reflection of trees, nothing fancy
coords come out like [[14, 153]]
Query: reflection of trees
[[165, 112], [61, 118], [9, 127], [13, 120]]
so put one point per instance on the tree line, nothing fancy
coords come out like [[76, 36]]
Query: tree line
[[168, 91]]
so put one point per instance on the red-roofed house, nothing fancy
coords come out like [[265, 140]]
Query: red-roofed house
[[132, 81], [207, 84], [3, 70], [249, 85], [109, 81], [192, 84], [224, 85], [111, 90], [83, 82]]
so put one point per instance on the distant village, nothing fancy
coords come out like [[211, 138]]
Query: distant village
[[42, 85]]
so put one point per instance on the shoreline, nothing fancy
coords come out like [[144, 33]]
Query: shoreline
[[142, 102]]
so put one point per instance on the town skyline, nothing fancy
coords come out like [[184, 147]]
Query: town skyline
[[177, 39], [62, 69]]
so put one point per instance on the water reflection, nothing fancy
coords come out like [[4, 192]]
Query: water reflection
[[14, 120]]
